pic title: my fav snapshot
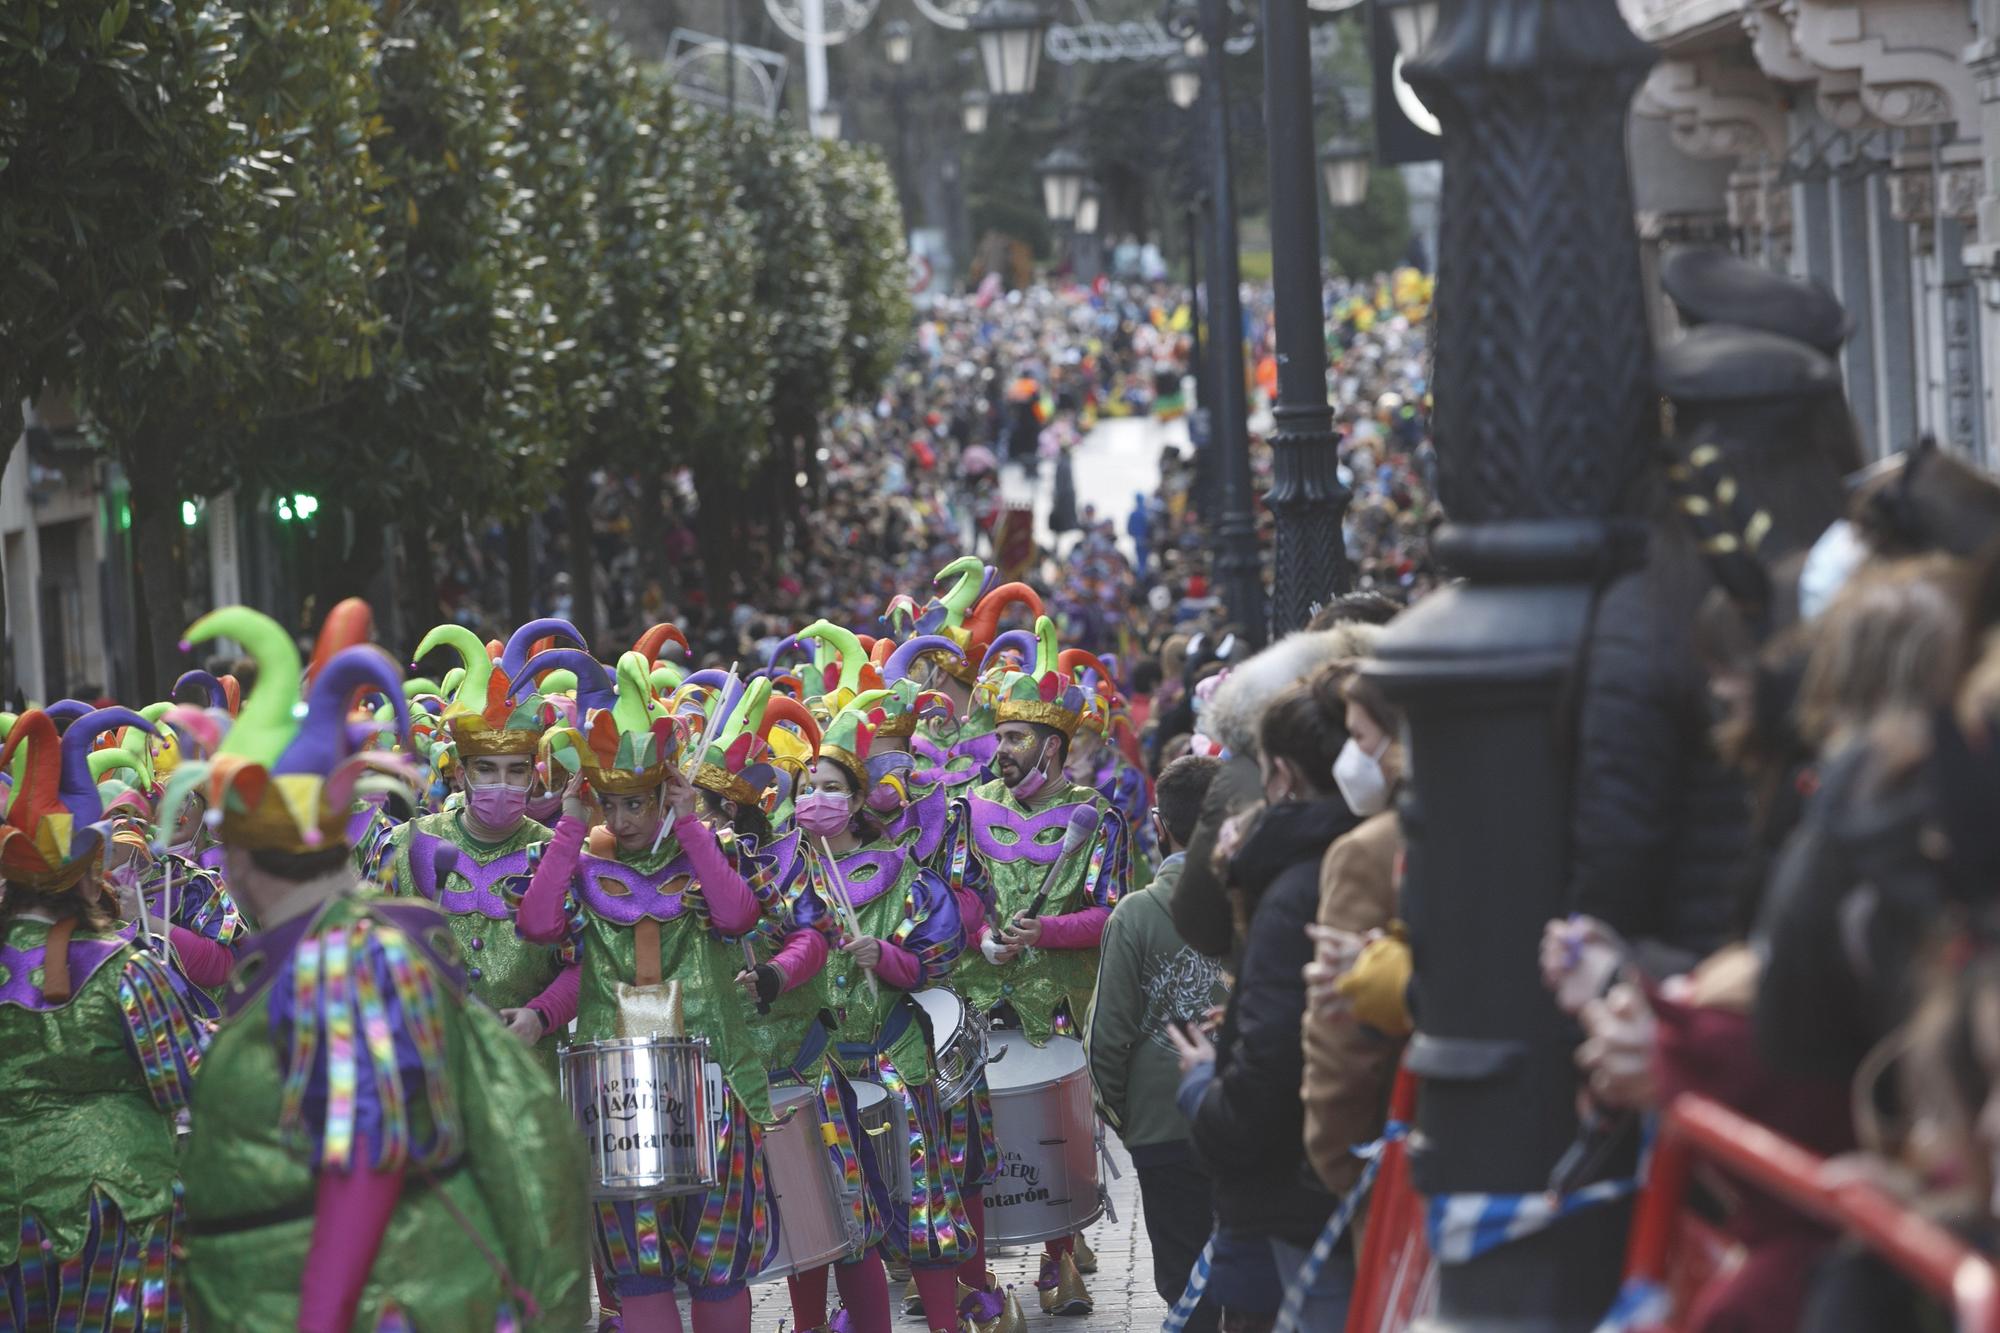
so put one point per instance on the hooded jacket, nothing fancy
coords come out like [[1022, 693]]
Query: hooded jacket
[[1249, 1125]]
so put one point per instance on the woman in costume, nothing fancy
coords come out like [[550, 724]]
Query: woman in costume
[[97, 1057], [475, 861], [903, 937], [669, 902], [370, 1148]]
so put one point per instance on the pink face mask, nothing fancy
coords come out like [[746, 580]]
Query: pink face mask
[[1036, 780], [822, 814], [545, 807], [498, 806]]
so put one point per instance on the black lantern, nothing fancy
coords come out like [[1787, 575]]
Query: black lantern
[[896, 42], [1413, 22], [1344, 164], [1062, 173], [974, 107], [1010, 36], [1184, 81]]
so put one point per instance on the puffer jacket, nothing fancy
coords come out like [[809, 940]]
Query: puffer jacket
[[1660, 827], [1249, 1125]]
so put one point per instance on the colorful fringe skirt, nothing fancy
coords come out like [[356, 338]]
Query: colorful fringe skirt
[[713, 1242], [126, 1277]]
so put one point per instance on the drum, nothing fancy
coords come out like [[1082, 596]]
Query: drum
[[886, 1122], [813, 1219], [1046, 1127], [958, 1039], [643, 1106]]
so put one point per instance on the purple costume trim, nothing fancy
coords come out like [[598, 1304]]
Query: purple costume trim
[[18, 967], [264, 956], [496, 887], [1036, 838]]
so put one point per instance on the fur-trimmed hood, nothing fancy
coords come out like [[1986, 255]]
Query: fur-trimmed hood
[[1230, 718]]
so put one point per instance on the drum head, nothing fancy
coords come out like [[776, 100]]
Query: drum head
[[944, 1009], [868, 1095], [1026, 1066], [787, 1099]]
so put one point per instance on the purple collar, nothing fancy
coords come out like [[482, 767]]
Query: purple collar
[[265, 956], [18, 986]]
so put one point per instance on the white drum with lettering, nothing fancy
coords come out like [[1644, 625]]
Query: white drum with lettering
[[644, 1113], [1046, 1127], [814, 1221]]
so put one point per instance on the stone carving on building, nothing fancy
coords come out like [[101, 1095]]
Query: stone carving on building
[[1903, 59], [1714, 110]]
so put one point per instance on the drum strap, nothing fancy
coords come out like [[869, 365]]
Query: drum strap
[[646, 948]]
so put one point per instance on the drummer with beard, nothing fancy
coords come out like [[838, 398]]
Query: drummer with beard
[[1031, 958], [669, 901]]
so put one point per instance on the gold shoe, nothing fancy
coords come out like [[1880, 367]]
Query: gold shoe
[[1086, 1258], [1068, 1295], [1011, 1319], [969, 1311]]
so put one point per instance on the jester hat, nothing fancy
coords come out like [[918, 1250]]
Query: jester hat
[[968, 613], [849, 743], [1100, 695], [483, 717], [283, 777], [55, 830], [736, 721], [628, 741], [1041, 694]]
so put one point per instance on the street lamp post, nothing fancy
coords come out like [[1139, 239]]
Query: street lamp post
[[1544, 422], [1010, 35], [896, 42], [1238, 562], [1306, 496]]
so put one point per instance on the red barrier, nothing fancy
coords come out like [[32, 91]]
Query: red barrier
[[1672, 1247], [1394, 1276]]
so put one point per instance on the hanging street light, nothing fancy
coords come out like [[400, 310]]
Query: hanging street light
[[1344, 165], [1413, 22], [1062, 173], [896, 42], [974, 107], [1010, 36], [1088, 209], [825, 121], [1184, 81]]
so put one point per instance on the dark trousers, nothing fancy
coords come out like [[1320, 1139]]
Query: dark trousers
[[1180, 1212]]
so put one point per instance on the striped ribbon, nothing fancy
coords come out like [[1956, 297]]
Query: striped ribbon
[[1197, 1283], [1462, 1227], [1641, 1303], [1336, 1227]]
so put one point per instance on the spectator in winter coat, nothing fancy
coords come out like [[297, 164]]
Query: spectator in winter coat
[[1149, 979], [1242, 1094], [1350, 1056]]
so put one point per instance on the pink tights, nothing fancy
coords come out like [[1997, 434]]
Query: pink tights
[[864, 1290], [972, 1271], [657, 1313]]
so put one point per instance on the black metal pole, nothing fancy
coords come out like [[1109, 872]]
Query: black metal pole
[[1240, 566], [1310, 562], [1194, 300], [1544, 423], [899, 107]]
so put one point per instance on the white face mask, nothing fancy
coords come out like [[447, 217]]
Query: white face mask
[[1363, 784]]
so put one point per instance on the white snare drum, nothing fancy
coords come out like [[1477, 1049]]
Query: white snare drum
[[643, 1109], [814, 1220], [958, 1044], [1047, 1131], [887, 1125]]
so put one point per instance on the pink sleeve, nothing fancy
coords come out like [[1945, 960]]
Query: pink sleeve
[[732, 907], [899, 967], [351, 1213], [1077, 930], [801, 958], [557, 1004], [972, 913], [205, 962], [541, 917]]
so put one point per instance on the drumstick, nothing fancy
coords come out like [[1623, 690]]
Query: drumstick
[[750, 962], [849, 922], [1083, 822]]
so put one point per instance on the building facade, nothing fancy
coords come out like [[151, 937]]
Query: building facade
[[1853, 142]]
